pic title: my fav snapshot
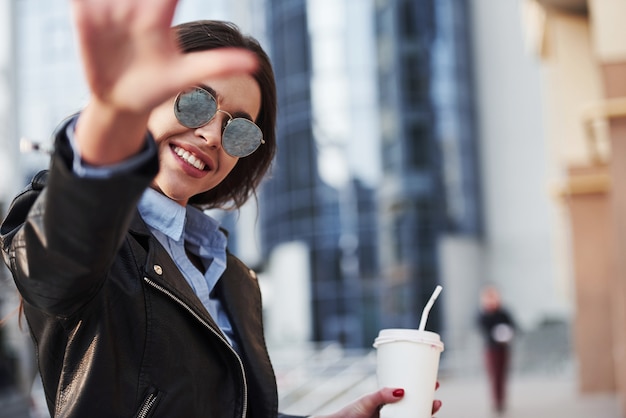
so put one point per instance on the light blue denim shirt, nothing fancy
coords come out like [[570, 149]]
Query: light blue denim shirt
[[174, 226]]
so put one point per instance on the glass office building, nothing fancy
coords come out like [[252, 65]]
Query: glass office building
[[429, 183], [428, 148], [296, 205]]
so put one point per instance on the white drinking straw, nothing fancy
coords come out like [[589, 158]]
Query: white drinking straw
[[429, 305]]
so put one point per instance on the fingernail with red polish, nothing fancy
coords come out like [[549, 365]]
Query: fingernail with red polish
[[398, 393]]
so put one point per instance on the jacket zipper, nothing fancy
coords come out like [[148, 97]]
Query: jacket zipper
[[207, 326], [147, 405]]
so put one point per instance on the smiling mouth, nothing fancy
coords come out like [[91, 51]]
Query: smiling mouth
[[189, 158]]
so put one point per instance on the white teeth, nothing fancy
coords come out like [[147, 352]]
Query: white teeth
[[189, 158]]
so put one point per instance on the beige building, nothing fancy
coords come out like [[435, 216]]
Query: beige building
[[582, 48]]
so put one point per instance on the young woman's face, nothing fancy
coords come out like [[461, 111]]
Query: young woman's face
[[181, 176]]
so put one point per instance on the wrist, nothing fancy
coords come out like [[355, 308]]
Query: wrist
[[107, 135]]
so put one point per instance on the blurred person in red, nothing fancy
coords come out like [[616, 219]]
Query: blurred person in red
[[498, 329]]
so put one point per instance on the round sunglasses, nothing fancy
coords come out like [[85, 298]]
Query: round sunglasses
[[196, 107]]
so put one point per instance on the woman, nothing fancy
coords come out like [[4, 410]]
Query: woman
[[135, 305]]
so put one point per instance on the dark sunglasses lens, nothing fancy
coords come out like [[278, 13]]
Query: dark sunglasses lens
[[195, 107], [241, 137]]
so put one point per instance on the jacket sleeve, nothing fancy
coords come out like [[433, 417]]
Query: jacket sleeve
[[60, 240]]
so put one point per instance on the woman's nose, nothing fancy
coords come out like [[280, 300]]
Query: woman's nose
[[212, 132]]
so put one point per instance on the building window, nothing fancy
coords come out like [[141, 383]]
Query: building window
[[408, 24], [418, 153], [416, 80]]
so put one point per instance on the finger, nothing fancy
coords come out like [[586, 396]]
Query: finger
[[373, 401], [436, 406], [168, 9], [197, 66]]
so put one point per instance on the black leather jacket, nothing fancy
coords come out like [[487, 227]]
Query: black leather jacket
[[118, 331]]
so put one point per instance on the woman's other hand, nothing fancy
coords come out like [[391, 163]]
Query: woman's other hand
[[369, 405]]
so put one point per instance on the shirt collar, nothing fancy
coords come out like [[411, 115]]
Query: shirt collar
[[202, 230], [162, 213], [170, 218]]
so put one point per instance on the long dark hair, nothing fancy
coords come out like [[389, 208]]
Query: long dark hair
[[246, 176]]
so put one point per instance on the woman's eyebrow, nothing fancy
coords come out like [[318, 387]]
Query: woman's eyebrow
[[210, 90], [243, 115]]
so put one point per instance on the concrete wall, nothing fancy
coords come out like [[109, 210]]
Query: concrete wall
[[522, 253], [584, 63], [589, 201]]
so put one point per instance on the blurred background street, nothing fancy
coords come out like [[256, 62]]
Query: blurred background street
[[543, 382], [322, 378], [420, 143]]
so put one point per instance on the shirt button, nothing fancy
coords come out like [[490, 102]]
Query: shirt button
[[158, 269]]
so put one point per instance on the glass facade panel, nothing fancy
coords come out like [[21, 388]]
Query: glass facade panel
[[430, 93]]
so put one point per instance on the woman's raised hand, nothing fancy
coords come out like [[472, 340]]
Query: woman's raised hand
[[131, 59], [132, 64]]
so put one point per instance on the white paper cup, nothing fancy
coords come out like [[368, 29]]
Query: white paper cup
[[408, 359]]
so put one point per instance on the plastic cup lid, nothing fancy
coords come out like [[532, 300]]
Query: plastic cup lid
[[408, 335]]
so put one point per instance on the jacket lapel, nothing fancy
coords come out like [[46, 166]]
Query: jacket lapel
[[156, 264], [239, 292]]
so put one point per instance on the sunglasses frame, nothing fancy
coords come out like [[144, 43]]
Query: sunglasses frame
[[231, 119]]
